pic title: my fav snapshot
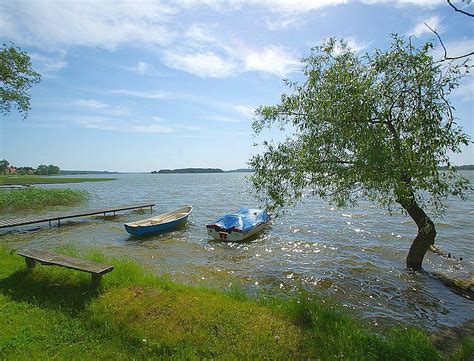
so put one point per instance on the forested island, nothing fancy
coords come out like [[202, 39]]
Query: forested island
[[241, 170]]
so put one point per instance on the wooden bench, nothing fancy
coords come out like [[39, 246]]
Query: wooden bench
[[53, 259]]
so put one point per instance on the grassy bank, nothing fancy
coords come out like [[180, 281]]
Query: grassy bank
[[35, 179], [54, 313], [38, 198]]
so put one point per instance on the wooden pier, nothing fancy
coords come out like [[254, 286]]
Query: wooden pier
[[26, 221]]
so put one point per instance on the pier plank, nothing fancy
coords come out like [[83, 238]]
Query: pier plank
[[30, 220]]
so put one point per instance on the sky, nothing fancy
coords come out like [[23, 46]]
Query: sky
[[136, 86]]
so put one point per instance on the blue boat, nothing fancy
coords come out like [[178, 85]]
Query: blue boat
[[238, 226], [163, 222]]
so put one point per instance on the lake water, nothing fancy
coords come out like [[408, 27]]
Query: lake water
[[355, 255]]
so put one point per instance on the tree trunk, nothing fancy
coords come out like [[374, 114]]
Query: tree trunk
[[426, 233]]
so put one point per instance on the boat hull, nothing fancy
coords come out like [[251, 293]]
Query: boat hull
[[144, 230], [147, 229], [235, 236]]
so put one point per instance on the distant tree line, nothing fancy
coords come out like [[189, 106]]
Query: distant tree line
[[47, 169], [42, 169], [189, 170], [201, 170]]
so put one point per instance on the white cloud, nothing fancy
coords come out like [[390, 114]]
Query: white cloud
[[48, 65], [142, 68], [6, 22], [297, 6], [244, 110], [109, 24], [104, 23], [206, 64], [220, 118], [90, 103], [112, 124], [293, 6], [145, 94], [93, 122], [112, 118], [356, 45], [200, 33], [281, 23], [218, 5], [274, 60], [419, 3], [202, 49], [420, 29], [191, 128], [149, 128], [302, 6], [96, 105], [201, 52]]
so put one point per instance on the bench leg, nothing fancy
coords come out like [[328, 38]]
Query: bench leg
[[95, 280], [30, 263]]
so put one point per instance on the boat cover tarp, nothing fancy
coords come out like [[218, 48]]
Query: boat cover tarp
[[244, 219]]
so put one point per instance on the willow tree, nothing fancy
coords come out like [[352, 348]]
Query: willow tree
[[375, 127]]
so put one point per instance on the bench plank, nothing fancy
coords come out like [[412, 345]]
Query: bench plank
[[48, 258]]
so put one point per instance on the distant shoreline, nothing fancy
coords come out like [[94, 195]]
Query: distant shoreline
[[203, 170], [460, 167], [83, 172], [199, 170]]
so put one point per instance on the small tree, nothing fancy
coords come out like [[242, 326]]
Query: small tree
[[376, 126], [25, 170], [4, 165], [53, 169], [16, 78], [42, 169]]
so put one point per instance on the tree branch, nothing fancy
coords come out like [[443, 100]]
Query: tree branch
[[459, 10], [446, 57]]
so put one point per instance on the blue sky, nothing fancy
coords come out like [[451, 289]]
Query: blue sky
[[139, 86]]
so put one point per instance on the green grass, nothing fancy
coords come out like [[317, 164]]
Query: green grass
[[35, 179], [38, 198], [53, 312]]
